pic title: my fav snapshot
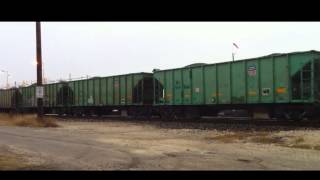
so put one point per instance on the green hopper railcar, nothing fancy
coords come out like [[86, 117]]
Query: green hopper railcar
[[10, 99], [5, 98], [279, 84], [100, 95]]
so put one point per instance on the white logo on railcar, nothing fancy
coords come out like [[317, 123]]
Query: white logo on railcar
[[252, 70]]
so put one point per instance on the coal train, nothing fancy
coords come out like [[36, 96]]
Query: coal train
[[285, 85]]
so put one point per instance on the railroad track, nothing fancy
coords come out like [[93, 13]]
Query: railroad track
[[221, 123]]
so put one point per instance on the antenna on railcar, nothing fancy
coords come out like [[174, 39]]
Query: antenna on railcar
[[233, 53]]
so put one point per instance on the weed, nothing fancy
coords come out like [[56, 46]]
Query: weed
[[267, 140], [299, 140], [26, 121]]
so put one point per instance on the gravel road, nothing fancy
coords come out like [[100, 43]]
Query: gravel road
[[116, 145]]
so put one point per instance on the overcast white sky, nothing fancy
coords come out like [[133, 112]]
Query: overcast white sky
[[112, 48]]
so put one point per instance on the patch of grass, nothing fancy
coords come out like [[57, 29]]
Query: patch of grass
[[229, 138], [302, 146], [267, 140], [298, 143], [299, 140], [26, 121], [317, 147], [244, 160], [9, 161]]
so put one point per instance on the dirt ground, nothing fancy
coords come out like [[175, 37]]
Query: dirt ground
[[124, 145]]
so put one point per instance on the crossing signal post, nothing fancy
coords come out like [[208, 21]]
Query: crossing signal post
[[39, 89]]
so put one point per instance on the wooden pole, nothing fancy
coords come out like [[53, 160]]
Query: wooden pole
[[39, 71]]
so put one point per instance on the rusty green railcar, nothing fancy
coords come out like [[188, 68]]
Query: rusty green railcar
[[5, 98], [10, 99], [29, 100], [100, 95], [278, 83]]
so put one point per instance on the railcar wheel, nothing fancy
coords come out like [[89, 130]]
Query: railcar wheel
[[192, 113], [166, 114], [294, 115]]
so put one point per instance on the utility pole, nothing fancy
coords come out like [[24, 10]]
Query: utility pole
[[43, 77], [232, 56], [39, 92]]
